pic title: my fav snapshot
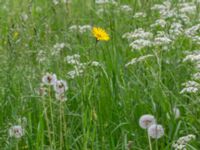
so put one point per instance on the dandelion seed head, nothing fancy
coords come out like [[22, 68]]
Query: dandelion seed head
[[155, 131], [146, 121], [49, 79], [60, 86], [16, 131]]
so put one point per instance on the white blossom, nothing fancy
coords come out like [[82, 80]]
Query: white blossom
[[140, 15], [139, 59], [181, 143]]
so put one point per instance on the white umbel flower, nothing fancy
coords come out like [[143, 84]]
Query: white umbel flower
[[49, 79], [60, 86], [146, 121], [155, 131], [182, 142], [16, 131]]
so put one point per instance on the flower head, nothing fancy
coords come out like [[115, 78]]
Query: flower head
[[60, 86], [100, 34], [16, 131], [146, 121], [49, 79], [155, 131]]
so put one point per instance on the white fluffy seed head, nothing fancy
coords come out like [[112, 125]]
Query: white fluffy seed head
[[155, 131], [16, 131], [60, 86], [146, 121], [49, 79]]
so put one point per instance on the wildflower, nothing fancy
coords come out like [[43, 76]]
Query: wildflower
[[175, 29], [49, 79], [189, 8], [41, 56], [159, 23], [80, 29], [95, 64], [100, 34], [182, 142], [15, 34], [146, 121], [140, 15], [140, 44], [58, 47], [139, 59], [155, 131], [60, 86], [16, 131], [138, 34], [192, 57], [73, 59], [162, 39], [196, 76], [126, 8], [190, 87], [105, 1]]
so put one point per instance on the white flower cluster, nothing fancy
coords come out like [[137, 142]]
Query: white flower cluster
[[154, 130], [59, 86], [181, 143], [165, 10], [159, 23], [175, 30], [78, 66], [58, 47], [193, 57], [162, 39], [188, 8], [56, 2], [190, 87], [139, 15], [80, 29], [138, 34], [139, 39], [193, 33], [126, 8], [196, 76], [41, 56], [139, 59], [105, 2]]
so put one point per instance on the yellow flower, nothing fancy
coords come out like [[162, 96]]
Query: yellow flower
[[100, 34], [15, 34]]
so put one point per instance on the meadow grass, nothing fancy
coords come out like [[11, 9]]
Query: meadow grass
[[105, 103]]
